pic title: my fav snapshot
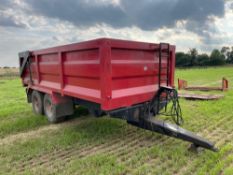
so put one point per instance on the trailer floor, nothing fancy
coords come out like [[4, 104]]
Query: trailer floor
[[87, 145]]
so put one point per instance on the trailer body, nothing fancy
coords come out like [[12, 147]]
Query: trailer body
[[112, 73]]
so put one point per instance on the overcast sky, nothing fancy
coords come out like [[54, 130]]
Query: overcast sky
[[35, 24]]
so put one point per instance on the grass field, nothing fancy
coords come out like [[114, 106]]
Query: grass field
[[87, 145]]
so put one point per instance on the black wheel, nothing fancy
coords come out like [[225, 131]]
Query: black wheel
[[37, 102], [50, 110]]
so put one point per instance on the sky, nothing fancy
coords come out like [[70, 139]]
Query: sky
[[37, 24]]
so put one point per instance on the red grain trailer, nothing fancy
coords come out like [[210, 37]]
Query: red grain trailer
[[124, 79]]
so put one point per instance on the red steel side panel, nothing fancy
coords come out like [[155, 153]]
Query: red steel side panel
[[72, 70], [113, 73], [135, 70]]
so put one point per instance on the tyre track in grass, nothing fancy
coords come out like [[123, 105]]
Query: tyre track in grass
[[113, 145], [227, 139], [173, 139], [44, 159], [219, 141], [114, 148], [192, 165], [195, 166], [227, 162], [221, 121], [119, 152], [65, 155], [216, 132], [213, 130], [131, 155], [41, 131], [58, 126], [126, 158], [204, 131], [130, 149], [91, 152], [149, 161], [158, 163], [36, 133], [220, 135], [133, 150], [118, 149]]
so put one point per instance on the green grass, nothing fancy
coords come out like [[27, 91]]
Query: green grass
[[86, 145], [15, 114]]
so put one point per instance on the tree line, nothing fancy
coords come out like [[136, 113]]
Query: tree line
[[216, 57]]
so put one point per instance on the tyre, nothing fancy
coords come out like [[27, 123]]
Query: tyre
[[50, 110], [37, 102]]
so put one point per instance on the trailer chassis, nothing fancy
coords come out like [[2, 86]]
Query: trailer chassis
[[142, 116]]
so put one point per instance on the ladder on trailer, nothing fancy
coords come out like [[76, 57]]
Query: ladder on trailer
[[170, 93], [164, 54]]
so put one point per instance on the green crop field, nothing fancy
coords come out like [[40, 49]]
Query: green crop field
[[87, 145]]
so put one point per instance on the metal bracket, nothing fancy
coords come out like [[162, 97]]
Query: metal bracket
[[162, 98]]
